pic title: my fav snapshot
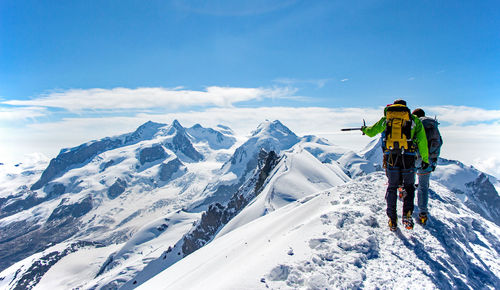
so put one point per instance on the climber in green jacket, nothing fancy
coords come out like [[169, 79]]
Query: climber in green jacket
[[402, 134]]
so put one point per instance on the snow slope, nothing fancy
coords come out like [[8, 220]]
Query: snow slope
[[366, 161], [297, 175], [338, 238]]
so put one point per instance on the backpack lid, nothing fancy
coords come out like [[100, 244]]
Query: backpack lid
[[429, 122], [396, 108]]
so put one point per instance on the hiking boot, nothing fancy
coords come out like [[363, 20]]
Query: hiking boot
[[408, 221], [422, 218], [393, 225], [401, 193]]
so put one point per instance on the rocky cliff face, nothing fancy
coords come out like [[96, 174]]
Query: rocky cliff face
[[484, 199], [117, 188], [218, 215], [167, 170], [181, 144], [151, 154]]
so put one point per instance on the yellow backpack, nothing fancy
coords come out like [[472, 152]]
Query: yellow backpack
[[397, 134]]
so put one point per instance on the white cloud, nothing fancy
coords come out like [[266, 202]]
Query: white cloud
[[344, 80], [77, 100], [472, 144], [458, 115], [13, 113], [489, 165]]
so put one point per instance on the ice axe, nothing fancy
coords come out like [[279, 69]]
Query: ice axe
[[355, 129]]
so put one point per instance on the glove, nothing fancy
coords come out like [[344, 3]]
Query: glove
[[425, 165], [433, 163]]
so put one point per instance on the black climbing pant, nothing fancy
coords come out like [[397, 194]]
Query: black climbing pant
[[400, 171]]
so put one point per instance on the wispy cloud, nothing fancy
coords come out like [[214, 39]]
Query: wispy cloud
[[459, 115], [489, 165], [344, 80], [77, 100], [23, 113]]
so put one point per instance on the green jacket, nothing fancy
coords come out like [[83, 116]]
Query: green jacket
[[417, 135]]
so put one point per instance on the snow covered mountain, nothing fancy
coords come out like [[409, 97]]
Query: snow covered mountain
[[338, 239], [478, 190], [172, 208], [106, 190]]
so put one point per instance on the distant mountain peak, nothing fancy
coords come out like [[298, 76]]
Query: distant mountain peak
[[149, 125], [144, 131], [272, 127], [176, 124]]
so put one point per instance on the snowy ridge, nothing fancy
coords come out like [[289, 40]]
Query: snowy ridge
[[338, 239], [297, 175]]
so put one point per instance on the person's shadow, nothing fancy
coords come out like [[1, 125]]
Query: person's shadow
[[463, 269]]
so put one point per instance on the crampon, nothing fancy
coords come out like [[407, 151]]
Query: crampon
[[408, 221]]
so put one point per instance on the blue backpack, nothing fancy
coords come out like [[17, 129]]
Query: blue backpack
[[434, 140]]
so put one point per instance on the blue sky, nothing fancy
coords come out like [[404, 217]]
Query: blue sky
[[436, 53], [70, 63]]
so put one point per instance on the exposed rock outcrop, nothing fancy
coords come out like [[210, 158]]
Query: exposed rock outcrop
[[218, 215], [117, 188], [180, 143], [151, 154], [484, 199], [167, 170], [78, 209]]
